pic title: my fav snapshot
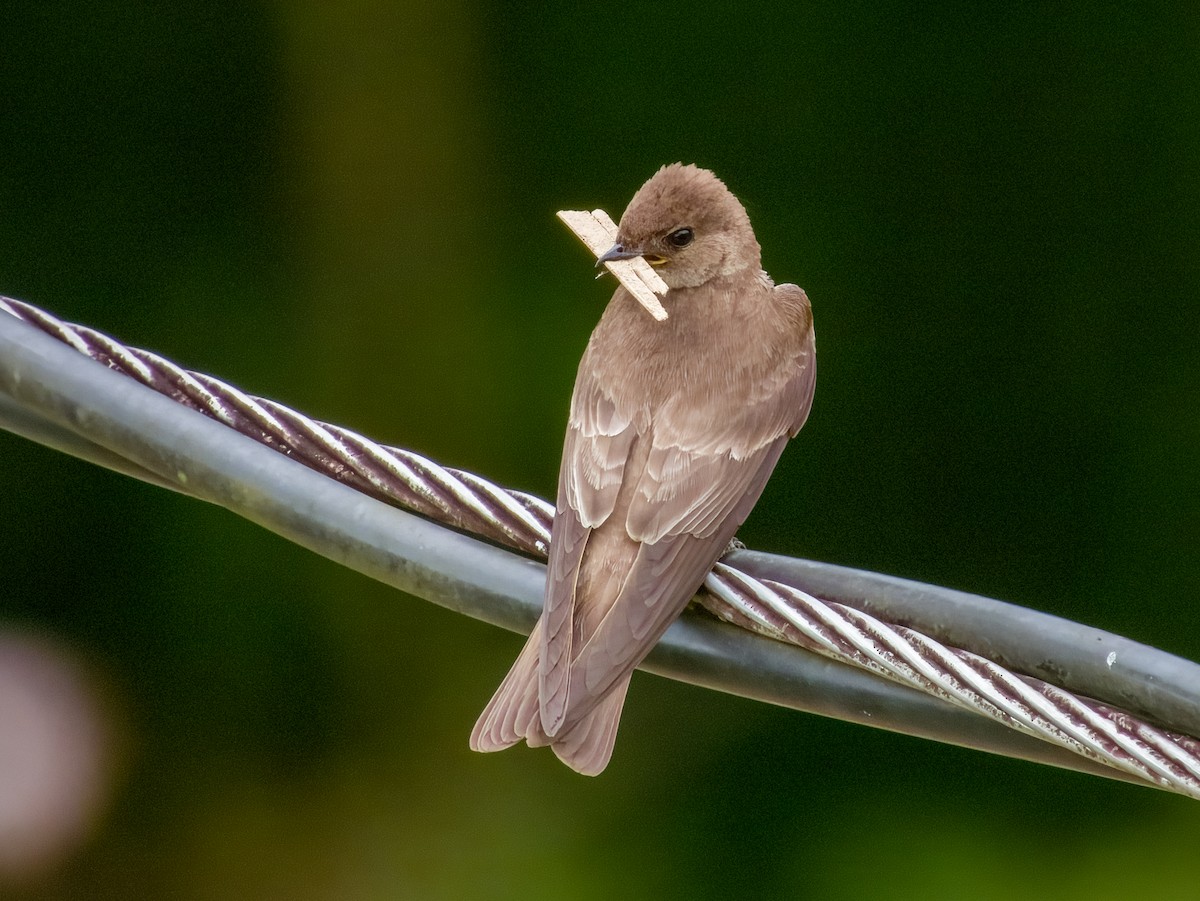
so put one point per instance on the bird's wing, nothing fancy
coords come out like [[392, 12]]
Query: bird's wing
[[597, 446], [794, 298], [664, 576], [706, 457], [700, 480]]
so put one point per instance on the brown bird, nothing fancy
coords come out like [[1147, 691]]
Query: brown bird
[[674, 429]]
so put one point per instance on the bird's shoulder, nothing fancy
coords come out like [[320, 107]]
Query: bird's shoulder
[[792, 301]]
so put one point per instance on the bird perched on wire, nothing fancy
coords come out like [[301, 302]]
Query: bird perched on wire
[[674, 428]]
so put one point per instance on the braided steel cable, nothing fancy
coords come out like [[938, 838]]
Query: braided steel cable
[[1094, 730], [904, 655]]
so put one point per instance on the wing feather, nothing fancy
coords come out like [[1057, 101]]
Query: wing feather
[[664, 577], [568, 539], [597, 447]]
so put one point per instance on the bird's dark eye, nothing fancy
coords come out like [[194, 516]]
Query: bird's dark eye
[[681, 237]]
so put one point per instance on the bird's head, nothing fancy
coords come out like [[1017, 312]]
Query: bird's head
[[688, 226]]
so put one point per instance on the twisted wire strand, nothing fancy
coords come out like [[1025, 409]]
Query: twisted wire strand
[[965, 679], [461, 500], [467, 502]]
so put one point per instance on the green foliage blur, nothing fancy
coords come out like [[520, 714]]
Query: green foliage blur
[[350, 209]]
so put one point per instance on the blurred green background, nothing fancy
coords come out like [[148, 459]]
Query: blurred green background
[[351, 209]]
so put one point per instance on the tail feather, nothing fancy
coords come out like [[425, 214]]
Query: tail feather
[[587, 746], [513, 714]]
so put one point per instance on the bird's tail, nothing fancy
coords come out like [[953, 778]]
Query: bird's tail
[[513, 714], [587, 745]]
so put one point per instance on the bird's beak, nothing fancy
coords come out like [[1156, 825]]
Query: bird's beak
[[617, 252], [620, 252]]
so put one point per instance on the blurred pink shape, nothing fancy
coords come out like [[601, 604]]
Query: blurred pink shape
[[55, 754]]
